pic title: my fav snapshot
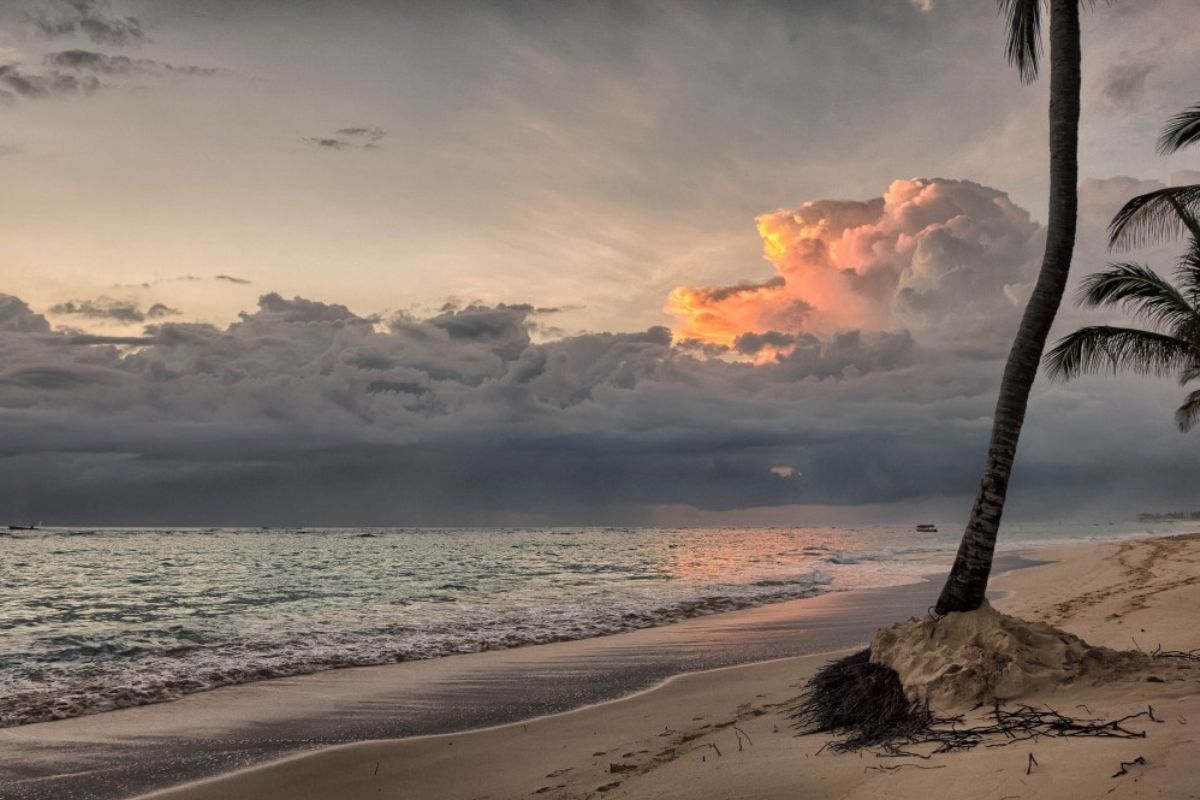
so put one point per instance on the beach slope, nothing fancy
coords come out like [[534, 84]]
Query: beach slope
[[722, 733]]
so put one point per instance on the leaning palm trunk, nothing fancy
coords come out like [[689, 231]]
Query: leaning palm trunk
[[965, 588]]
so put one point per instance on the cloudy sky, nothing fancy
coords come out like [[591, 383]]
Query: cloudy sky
[[509, 263]]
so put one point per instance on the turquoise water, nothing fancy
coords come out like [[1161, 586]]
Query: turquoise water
[[96, 619]]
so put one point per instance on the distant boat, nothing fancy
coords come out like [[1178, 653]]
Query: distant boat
[[23, 527], [927, 528]]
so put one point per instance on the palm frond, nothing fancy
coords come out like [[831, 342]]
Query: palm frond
[[1103, 349], [1141, 292], [1024, 43], [1156, 216], [1187, 272], [1188, 414], [1190, 374], [1180, 131]]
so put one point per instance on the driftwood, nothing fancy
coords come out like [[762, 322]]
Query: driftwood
[[1125, 765]]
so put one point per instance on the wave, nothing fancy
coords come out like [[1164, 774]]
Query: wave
[[181, 663]]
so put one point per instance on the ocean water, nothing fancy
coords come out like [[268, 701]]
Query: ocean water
[[97, 619]]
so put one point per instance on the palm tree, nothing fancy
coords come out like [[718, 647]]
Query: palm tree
[[1165, 213], [1171, 345], [966, 586]]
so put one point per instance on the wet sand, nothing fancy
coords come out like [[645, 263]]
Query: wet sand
[[124, 753]]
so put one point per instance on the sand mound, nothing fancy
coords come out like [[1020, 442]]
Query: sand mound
[[983, 655]]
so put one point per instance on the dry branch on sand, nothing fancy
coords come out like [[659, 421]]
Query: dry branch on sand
[[1182, 655]]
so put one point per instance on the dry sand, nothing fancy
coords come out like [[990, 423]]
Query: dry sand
[[721, 734]]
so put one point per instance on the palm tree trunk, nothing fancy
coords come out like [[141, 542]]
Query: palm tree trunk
[[965, 588]]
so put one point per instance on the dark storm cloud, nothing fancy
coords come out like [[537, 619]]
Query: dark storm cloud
[[17, 317], [76, 72], [300, 310], [454, 417], [103, 64], [200, 278], [87, 60], [332, 144], [350, 139], [369, 134], [754, 343], [842, 355], [725, 292], [93, 20], [107, 308], [15, 81], [84, 339]]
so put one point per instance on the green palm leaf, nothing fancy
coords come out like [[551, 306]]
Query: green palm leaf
[[1181, 130], [1188, 414], [1101, 349], [1156, 216], [1142, 292], [1024, 44], [1190, 374], [1187, 274]]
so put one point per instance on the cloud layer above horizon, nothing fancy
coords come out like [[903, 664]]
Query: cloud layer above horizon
[[306, 412]]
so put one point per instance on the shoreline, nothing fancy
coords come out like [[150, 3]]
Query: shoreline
[[824, 630], [621, 748], [119, 754], [157, 675]]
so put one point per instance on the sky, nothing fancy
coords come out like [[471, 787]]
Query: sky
[[555, 263]]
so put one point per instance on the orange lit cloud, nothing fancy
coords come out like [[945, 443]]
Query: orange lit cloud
[[906, 259]]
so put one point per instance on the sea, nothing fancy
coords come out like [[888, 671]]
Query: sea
[[95, 619]]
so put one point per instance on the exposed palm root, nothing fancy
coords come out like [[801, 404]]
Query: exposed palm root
[[864, 701], [866, 705]]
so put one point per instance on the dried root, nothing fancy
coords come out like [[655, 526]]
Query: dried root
[[865, 703], [1182, 655]]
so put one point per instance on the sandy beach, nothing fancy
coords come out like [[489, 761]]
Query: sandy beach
[[721, 733], [616, 717]]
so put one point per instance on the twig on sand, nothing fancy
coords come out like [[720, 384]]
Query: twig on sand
[[1182, 655], [741, 734], [1125, 765], [892, 767], [1033, 762]]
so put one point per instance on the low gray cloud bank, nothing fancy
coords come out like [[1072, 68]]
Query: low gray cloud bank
[[308, 411], [91, 20], [305, 412]]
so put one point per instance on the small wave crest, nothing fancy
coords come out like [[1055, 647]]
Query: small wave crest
[[81, 676]]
